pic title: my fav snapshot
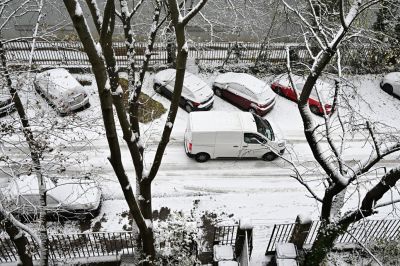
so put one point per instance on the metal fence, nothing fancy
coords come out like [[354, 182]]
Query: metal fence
[[228, 235], [78, 245], [71, 54], [248, 52], [364, 231]]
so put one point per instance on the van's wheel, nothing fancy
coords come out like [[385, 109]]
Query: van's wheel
[[387, 88], [157, 88], [188, 108], [202, 157], [269, 156], [218, 92], [314, 109]]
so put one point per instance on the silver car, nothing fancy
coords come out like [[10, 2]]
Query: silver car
[[66, 198], [196, 94], [61, 90]]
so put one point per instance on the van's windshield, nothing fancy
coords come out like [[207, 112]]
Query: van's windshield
[[264, 128]]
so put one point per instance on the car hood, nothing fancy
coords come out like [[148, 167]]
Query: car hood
[[73, 193]]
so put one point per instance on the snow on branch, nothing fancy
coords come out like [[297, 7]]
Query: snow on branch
[[194, 11]]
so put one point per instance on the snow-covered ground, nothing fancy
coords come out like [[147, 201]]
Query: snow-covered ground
[[255, 189]]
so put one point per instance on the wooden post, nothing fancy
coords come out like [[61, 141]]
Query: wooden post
[[300, 231]]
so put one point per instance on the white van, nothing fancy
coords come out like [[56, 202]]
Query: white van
[[215, 134]]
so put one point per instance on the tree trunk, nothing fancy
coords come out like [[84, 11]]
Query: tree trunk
[[323, 244], [20, 241]]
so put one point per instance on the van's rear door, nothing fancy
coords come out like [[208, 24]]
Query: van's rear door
[[228, 144]]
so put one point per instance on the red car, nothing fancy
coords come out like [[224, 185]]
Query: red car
[[283, 87], [245, 91]]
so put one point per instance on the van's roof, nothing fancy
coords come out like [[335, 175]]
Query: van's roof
[[222, 121]]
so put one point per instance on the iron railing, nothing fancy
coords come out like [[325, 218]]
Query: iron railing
[[228, 235], [364, 231], [79, 245]]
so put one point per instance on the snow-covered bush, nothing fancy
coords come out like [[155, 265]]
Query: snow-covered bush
[[177, 239]]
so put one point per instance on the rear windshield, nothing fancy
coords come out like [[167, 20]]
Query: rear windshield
[[264, 128]]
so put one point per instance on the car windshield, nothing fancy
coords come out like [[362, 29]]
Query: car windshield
[[264, 128]]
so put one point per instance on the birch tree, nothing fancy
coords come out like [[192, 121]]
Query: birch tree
[[102, 59], [339, 175]]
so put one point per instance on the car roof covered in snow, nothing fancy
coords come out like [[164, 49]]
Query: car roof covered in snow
[[67, 191], [254, 84], [59, 77], [212, 121], [191, 81]]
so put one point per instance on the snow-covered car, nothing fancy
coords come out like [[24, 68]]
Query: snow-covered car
[[317, 101], [245, 91], [196, 94], [6, 104], [61, 90], [391, 83], [66, 198]]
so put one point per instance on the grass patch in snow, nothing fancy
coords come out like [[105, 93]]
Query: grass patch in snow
[[150, 109]]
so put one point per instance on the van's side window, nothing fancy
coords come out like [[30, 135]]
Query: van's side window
[[252, 138]]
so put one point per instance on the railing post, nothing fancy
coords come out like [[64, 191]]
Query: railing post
[[245, 226], [300, 231]]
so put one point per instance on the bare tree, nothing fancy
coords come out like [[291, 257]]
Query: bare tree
[[339, 175], [102, 59], [35, 147]]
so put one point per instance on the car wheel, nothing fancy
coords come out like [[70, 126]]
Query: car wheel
[[188, 108], [314, 109], [269, 156], [157, 88], [218, 92], [202, 157], [251, 110], [387, 88]]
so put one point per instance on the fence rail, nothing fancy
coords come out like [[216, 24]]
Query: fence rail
[[365, 231], [75, 246], [70, 54]]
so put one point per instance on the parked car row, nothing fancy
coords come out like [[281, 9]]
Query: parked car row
[[243, 90]]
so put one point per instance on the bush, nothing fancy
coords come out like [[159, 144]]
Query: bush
[[149, 109]]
